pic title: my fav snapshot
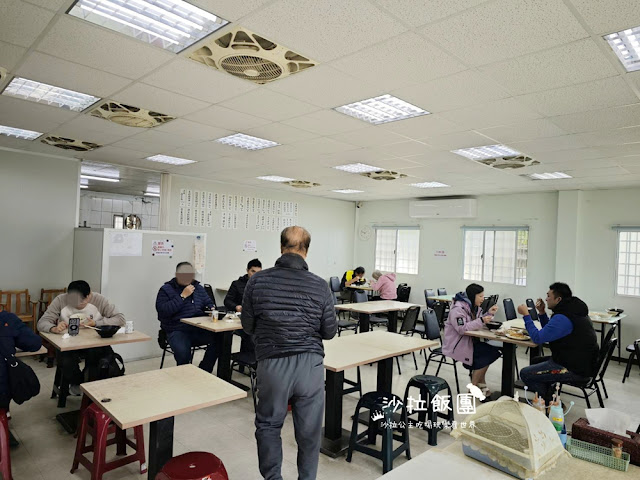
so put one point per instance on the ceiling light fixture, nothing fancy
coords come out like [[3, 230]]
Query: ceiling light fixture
[[348, 191], [102, 179], [548, 176], [429, 185], [488, 151], [626, 46], [170, 160], [358, 168], [247, 142], [19, 133], [48, 94], [382, 109], [84, 186], [170, 24], [275, 178], [151, 194]]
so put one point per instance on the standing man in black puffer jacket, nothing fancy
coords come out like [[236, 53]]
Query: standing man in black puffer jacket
[[289, 311]]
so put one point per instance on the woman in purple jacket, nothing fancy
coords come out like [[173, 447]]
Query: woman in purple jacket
[[466, 315]]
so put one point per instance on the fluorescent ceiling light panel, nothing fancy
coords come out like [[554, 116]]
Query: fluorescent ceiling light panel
[[348, 191], [247, 142], [170, 24], [383, 109], [358, 168], [486, 152], [429, 185], [626, 45], [101, 179], [170, 160], [548, 176], [49, 95], [275, 178], [151, 194], [19, 133], [84, 186]]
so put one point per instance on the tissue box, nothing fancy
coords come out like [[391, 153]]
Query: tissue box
[[581, 430]]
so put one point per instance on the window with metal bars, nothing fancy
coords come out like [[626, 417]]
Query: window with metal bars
[[628, 271], [397, 249], [496, 255]]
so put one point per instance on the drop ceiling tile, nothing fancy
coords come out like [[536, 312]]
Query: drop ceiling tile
[[421, 12], [269, 105], [230, 10], [608, 92], [10, 55], [527, 130], [21, 23], [454, 141], [214, 166], [79, 41], [53, 5], [143, 149], [618, 136], [606, 16], [459, 90], [280, 133], [568, 155], [604, 119], [194, 130], [570, 64], [618, 150], [322, 145], [162, 139], [505, 29], [370, 156], [30, 115], [597, 172], [13, 142], [421, 127], [634, 78], [405, 149], [353, 25], [369, 137], [325, 86], [158, 100], [549, 144], [399, 62], [221, 117], [58, 72], [628, 161], [500, 112], [84, 125], [198, 81], [326, 122]]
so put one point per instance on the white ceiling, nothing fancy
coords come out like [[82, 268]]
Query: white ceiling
[[535, 75]]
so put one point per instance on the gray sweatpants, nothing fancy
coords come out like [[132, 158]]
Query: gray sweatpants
[[299, 378]]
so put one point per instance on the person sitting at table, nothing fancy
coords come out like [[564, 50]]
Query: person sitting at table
[[571, 337], [233, 299], [351, 277], [465, 315], [184, 297], [385, 285], [13, 333], [96, 310]]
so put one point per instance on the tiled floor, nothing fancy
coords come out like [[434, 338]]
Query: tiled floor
[[46, 450]]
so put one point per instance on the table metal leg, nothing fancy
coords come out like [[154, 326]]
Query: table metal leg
[[385, 378], [335, 440], [365, 326], [619, 341], [508, 369], [223, 343], [392, 324], [160, 445]]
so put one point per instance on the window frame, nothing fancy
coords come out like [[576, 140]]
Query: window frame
[[619, 230], [395, 252], [494, 229]]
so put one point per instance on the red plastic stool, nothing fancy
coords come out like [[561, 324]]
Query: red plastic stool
[[98, 424], [193, 466], [5, 456]]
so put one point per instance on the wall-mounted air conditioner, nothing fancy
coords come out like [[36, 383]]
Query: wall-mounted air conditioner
[[444, 208]]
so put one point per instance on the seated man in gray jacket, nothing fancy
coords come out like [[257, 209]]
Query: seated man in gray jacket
[[96, 311], [289, 311]]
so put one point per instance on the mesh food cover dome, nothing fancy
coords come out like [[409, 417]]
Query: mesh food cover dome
[[511, 436]]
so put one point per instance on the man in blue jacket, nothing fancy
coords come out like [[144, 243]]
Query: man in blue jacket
[[571, 337], [13, 333], [184, 297]]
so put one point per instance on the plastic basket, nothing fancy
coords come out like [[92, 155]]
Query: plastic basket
[[597, 454]]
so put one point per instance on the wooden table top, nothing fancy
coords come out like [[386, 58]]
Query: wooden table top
[[377, 306], [442, 298], [132, 400], [609, 320], [207, 323], [22, 353], [491, 335], [361, 287], [342, 353], [89, 338]]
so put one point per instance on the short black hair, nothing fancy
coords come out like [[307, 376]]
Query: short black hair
[[561, 290], [79, 286], [254, 263], [182, 264], [359, 271]]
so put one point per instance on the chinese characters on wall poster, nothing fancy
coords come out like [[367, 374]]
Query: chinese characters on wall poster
[[234, 212]]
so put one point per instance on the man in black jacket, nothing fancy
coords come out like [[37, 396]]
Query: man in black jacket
[[289, 311], [233, 299]]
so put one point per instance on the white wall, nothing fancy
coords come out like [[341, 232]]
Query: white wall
[[538, 211], [39, 205], [330, 223], [98, 208]]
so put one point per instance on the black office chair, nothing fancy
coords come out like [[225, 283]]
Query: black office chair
[[531, 305], [509, 309], [360, 296], [445, 313], [432, 332], [442, 291], [163, 343], [408, 327], [403, 292], [440, 309], [209, 290], [350, 323], [334, 285], [428, 292], [634, 352]]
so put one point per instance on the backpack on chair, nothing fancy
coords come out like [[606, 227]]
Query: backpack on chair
[[111, 365]]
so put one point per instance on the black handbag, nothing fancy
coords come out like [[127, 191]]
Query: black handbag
[[111, 365], [23, 382]]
